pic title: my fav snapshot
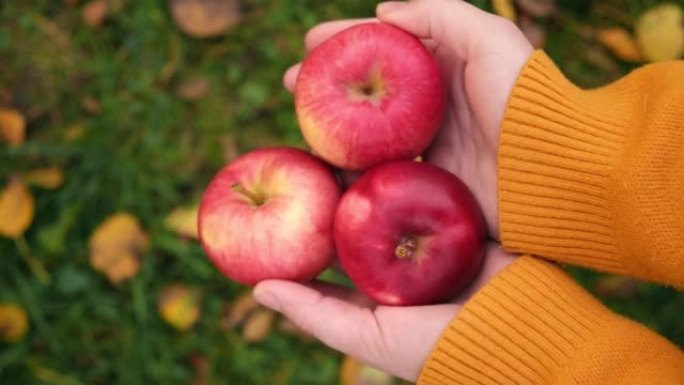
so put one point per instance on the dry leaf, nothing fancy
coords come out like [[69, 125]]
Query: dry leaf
[[74, 132], [183, 220], [91, 105], [287, 326], [12, 126], [620, 43], [504, 8], [48, 177], [16, 208], [13, 322], [205, 18], [537, 8], [243, 306], [179, 307], [660, 33], [116, 246], [616, 287], [258, 325], [352, 372], [230, 148], [94, 13], [534, 33], [193, 88]]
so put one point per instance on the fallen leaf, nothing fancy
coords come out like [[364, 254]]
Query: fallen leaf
[[504, 8], [534, 33], [230, 148], [183, 220], [660, 33], [193, 88], [620, 43], [258, 325], [243, 306], [12, 126], [616, 287], [205, 18], [287, 326], [74, 132], [16, 208], [13, 322], [537, 8], [179, 306], [48, 177], [91, 105], [116, 246], [94, 13], [352, 372]]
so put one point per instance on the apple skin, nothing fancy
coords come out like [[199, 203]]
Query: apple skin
[[421, 212], [287, 236], [370, 94]]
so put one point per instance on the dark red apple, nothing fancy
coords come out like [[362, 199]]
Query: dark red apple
[[370, 94], [269, 214], [409, 233]]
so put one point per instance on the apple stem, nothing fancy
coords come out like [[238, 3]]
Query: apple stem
[[405, 248], [254, 198]]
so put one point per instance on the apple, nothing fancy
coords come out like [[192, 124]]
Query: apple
[[269, 214], [409, 233], [370, 94]]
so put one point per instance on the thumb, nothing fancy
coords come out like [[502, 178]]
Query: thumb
[[461, 27]]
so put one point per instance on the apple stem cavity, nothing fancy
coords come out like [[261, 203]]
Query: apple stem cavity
[[372, 89], [406, 247], [254, 199]]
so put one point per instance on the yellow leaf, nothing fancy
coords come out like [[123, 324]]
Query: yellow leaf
[[504, 8], [258, 325], [178, 306], [116, 246], [205, 18], [13, 322], [12, 126], [74, 132], [660, 33], [48, 177], [183, 220], [620, 43], [16, 208], [352, 372]]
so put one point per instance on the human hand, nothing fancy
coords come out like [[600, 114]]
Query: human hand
[[397, 340], [480, 55]]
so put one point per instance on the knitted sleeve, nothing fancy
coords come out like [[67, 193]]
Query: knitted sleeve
[[596, 177]]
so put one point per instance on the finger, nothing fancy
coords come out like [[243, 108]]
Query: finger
[[462, 27], [290, 77], [324, 31]]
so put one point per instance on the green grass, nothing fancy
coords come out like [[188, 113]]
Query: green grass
[[147, 151]]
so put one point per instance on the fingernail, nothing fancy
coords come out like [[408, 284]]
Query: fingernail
[[388, 7], [267, 299]]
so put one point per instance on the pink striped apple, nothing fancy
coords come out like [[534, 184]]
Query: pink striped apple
[[370, 94], [269, 214]]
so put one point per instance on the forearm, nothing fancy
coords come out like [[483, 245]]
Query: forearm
[[533, 324], [595, 178]]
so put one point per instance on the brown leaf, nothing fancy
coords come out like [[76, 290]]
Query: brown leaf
[[532, 31], [17, 208], [183, 220], [193, 88], [243, 306], [179, 307], [116, 246], [12, 126], [48, 177], [287, 326], [504, 8], [13, 322], [352, 372], [660, 33], [616, 287], [94, 13], [91, 105], [205, 18], [620, 43], [537, 8], [230, 148], [258, 325]]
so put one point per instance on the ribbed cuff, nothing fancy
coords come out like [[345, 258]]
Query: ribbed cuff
[[521, 328], [557, 145]]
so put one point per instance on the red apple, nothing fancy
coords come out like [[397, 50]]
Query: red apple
[[409, 233], [370, 94], [269, 214]]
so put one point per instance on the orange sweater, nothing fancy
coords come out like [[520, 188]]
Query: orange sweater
[[593, 178]]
